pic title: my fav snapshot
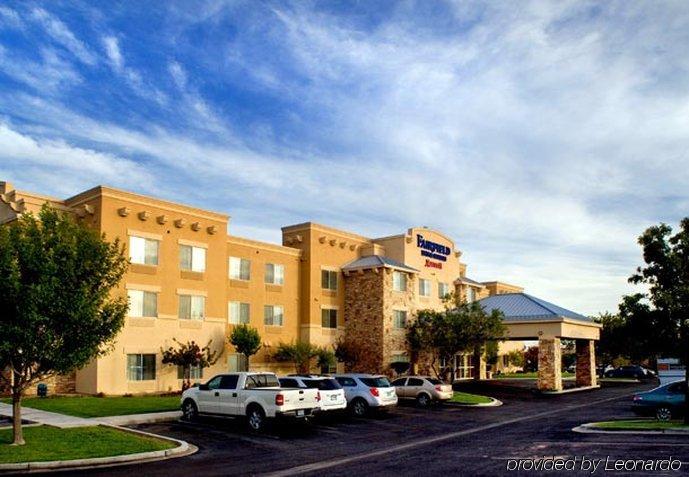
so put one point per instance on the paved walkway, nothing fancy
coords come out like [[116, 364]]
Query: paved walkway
[[63, 421]]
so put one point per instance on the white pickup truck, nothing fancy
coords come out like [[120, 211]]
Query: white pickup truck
[[256, 396]]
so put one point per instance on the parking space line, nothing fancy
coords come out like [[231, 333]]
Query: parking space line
[[302, 469]]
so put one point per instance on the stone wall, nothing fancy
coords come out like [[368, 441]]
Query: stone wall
[[549, 364], [363, 314], [586, 363], [395, 340], [60, 384]]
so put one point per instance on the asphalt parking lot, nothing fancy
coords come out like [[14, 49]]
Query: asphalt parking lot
[[410, 441]]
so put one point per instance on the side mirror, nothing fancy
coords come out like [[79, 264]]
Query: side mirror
[[203, 387]]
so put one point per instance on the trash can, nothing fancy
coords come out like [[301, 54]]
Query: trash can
[[42, 390]]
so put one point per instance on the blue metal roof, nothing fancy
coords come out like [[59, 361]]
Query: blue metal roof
[[523, 307], [377, 261]]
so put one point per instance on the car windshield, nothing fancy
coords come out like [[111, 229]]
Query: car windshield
[[261, 381], [434, 381], [322, 384], [379, 382]]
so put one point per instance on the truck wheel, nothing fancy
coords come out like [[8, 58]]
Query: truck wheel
[[664, 414], [423, 400], [359, 407], [189, 410], [256, 419]]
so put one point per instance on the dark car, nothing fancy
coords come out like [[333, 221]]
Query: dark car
[[630, 372], [664, 402]]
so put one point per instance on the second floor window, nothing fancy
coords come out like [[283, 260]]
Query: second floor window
[[142, 303], [329, 318], [399, 319], [192, 258], [275, 274], [192, 307], [424, 287], [239, 313], [143, 251], [273, 315], [240, 268], [399, 281], [329, 280], [443, 290]]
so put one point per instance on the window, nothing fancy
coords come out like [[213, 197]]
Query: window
[[195, 372], [424, 287], [289, 383], [377, 382], [238, 313], [471, 295], [240, 268], [229, 381], [275, 274], [254, 381], [347, 382], [214, 383], [192, 258], [272, 315], [443, 290], [143, 251], [237, 363], [328, 384], [329, 318], [399, 382], [141, 367], [415, 382], [192, 307], [142, 303], [399, 281], [399, 318], [329, 280]]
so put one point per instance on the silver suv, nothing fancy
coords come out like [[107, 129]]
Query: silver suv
[[423, 388], [367, 391]]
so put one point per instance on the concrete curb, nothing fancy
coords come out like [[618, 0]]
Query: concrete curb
[[589, 428], [493, 403], [570, 390], [183, 449], [132, 419]]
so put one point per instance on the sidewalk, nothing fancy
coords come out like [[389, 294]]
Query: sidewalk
[[63, 421]]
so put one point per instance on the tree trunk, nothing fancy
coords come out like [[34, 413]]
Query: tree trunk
[[477, 363], [17, 419]]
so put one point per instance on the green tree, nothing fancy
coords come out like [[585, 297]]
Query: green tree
[[531, 359], [300, 354], [666, 273], [246, 340], [188, 355], [325, 359], [56, 310], [348, 352], [516, 358], [613, 341]]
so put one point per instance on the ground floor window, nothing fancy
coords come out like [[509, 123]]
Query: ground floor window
[[141, 367], [195, 372], [237, 363], [463, 366], [273, 315], [329, 318]]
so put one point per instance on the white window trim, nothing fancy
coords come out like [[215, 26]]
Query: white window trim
[[229, 268]]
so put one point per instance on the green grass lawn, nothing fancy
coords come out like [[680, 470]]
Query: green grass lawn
[[90, 406], [640, 424], [50, 443], [466, 398], [533, 375]]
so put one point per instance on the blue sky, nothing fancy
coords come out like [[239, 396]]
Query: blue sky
[[544, 137]]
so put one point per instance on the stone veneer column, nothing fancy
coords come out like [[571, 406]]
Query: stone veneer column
[[586, 363], [549, 364]]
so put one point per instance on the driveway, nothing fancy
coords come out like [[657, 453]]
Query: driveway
[[410, 441]]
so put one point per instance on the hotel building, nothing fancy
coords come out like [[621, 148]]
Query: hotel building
[[191, 280]]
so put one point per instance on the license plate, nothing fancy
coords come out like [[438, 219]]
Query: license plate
[[300, 412], [333, 398], [391, 393]]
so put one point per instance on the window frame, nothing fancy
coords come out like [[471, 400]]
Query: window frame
[[137, 372], [330, 312], [193, 258], [240, 306], [327, 279], [144, 294], [144, 255], [399, 281], [271, 270], [273, 315], [395, 319], [241, 261], [193, 299], [424, 287]]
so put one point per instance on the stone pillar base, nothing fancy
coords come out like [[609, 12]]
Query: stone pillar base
[[586, 363], [549, 364]]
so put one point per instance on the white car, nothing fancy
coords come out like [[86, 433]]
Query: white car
[[256, 396], [332, 394], [367, 391]]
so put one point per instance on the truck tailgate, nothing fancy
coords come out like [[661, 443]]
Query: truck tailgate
[[299, 399]]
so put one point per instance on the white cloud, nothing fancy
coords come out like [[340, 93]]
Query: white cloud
[[62, 35], [112, 50]]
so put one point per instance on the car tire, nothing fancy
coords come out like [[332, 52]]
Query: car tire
[[256, 418], [423, 400], [359, 407], [663, 414], [190, 412]]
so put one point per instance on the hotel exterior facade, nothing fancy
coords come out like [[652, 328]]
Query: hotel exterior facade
[[190, 280]]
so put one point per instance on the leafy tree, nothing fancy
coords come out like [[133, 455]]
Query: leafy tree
[[348, 352], [531, 359], [325, 359], [246, 340], [300, 353], [399, 367], [666, 273], [479, 327], [56, 310], [613, 341], [516, 358], [188, 355]]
